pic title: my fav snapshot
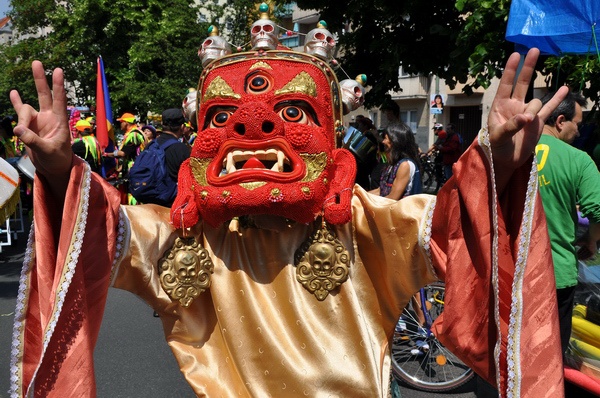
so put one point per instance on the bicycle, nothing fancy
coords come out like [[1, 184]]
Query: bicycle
[[419, 360], [432, 173]]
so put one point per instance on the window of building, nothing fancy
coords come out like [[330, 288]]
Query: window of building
[[410, 117], [290, 41], [402, 73]]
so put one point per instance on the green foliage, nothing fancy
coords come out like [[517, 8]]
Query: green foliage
[[579, 72], [149, 49], [377, 37], [481, 42]]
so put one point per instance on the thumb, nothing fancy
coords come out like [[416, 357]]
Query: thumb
[[28, 137], [504, 132]]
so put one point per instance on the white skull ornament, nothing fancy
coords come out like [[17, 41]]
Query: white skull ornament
[[189, 107], [320, 42], [213, 47], [264, 33], [353, 93]]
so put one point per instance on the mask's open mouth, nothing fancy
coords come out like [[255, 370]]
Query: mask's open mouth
[[266, 161], [270, 159]]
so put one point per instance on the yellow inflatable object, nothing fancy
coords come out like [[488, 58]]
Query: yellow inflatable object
[[583, 349], [587, 331], [580, 311]]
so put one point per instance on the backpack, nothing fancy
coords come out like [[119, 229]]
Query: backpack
[[149, 180]]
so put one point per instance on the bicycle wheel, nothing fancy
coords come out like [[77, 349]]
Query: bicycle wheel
[[419, 360], [427, 178]]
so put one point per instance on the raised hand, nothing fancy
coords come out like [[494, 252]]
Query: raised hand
[[515, 126], [46, 132]]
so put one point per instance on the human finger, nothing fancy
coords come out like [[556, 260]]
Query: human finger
[[525, 74], [28, 137], [25, 112], [15, 99], [60, 96], [511, 127], [41, 85], [508, 76], [551, 105], [533, 108]]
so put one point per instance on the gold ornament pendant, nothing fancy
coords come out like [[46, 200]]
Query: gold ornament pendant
[[322, 263], [185, 270]]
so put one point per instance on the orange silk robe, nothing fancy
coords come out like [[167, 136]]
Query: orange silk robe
[[257, 332]]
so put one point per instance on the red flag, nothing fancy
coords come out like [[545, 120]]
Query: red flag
[[101, 97]]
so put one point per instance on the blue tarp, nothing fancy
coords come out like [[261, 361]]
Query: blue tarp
[[554, 26]]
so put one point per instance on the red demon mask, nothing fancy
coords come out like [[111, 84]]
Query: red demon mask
[[266, 143]]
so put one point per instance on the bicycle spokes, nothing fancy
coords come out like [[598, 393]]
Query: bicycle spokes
[[418, 358]]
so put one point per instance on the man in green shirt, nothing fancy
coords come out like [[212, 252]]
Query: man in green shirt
[[567, 178]]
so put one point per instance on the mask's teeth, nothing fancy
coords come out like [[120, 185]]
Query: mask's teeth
[[223, 168], [276, 167], [280, 160], [230, 163]]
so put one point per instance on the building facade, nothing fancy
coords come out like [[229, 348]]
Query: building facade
[[467, 112]]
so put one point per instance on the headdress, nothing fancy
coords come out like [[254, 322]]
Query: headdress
[[83, 125], [127, 117], [268, 122]]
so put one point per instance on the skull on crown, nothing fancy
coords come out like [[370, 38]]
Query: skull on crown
[[264, 32], [189, 107], [213, 47], [320, 42], [353, 93]]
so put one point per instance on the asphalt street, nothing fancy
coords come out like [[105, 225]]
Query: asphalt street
[[132, 358]]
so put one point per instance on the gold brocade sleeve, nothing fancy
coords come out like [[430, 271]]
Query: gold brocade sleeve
[[149, 236], [392, 244]]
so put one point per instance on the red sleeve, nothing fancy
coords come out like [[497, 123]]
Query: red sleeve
[[500, 289], [63, 287]]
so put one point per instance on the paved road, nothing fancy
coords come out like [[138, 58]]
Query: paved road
[[132, 358]]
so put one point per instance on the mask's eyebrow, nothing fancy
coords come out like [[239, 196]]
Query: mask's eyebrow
[[219, 88], [303, 83]]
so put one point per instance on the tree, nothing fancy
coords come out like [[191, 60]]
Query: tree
[[233, 18], [436, 37], [149, 49], [149, 46], [459, 41]]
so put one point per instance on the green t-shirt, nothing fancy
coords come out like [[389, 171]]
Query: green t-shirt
[[567, 177]]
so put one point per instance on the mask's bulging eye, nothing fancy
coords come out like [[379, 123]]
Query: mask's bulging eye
[[258, 83], [297, 111], [293, 114], [220, 119]]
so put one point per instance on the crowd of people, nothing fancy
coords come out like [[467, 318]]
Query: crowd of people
[[133, 138], [372, 160]]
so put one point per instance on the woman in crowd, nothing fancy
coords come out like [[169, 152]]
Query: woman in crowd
[[401, 177], [149, 133]]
